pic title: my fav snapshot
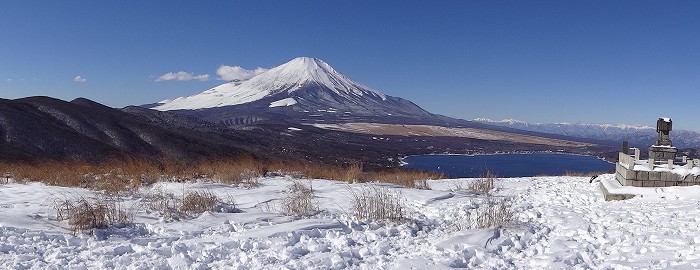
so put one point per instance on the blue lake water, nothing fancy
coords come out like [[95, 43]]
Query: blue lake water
[[507, 165]]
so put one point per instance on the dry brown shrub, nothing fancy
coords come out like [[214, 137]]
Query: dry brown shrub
[[125, 174], [406, 178], [86, 215], [321, 171], [172, 207], [113, 176], [179, 171], [353, 173], [66, 174], [375, 203], [493, 212], [164, 203], [129, 174], [115, 183], [300, 200], [294, 169], [249, 181], [243, 172], [197, 202], [5, 173], [483, 185], [141, 171], [19, 171]]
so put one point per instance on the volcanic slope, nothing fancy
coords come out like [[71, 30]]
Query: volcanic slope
[[306, 90]]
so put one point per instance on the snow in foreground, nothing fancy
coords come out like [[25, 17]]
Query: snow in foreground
[[562, 222]]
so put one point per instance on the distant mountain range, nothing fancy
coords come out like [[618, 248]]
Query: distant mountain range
[[638, 135]]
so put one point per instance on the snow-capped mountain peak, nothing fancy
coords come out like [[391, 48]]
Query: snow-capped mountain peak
[[289, 77]]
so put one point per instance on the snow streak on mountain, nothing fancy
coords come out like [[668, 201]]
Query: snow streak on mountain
[[299, 73]]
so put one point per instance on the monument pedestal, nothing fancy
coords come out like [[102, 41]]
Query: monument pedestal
[[664, 153]]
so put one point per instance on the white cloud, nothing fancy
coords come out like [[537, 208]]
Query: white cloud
[[79, 79], [182, 76], [229, 73]]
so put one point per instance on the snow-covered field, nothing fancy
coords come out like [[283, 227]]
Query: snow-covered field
[[561, 223]]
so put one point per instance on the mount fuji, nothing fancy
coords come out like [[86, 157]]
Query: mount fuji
[[306, 90]]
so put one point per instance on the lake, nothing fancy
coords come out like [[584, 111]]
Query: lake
[[507, 165]]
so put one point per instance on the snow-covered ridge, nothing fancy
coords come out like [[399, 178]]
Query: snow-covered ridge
[[509, 121], [637, 135], [604, 126], [289, 77]]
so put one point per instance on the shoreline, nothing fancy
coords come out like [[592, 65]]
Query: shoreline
[[402, 161]]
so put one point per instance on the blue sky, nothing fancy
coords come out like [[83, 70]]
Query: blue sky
[[538, 61]]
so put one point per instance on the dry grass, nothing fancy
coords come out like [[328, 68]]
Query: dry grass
[[6, 176], [300, 200], [493, 212], [135, 171], [198, 202], [352, 173], [375, 203], [172, 207], [404, 177], [349, 173], [244, 172], [129, 174], [164, 203], [483, 185], [84, 216], [110, 176], [51, 172]]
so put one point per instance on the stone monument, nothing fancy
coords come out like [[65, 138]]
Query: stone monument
[[663, 148], [660, 170]]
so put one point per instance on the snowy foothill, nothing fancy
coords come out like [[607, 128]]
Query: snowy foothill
[[560, 223]]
